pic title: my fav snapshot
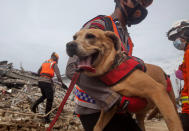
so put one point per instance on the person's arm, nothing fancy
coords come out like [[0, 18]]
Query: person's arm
[[57, 72], [104, 97], [39, 70]]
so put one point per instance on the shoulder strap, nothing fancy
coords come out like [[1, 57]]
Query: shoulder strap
[[112, 27], [116, 31]]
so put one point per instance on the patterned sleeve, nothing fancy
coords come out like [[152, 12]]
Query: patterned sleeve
[[95, 24]]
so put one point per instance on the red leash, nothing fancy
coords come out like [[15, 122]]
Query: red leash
[[60, 108]]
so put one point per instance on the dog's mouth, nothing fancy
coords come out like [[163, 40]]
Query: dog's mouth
[[86, 63]]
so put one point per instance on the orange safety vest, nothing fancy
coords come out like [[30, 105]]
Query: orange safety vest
[[129, 38], [47, 68], [185, 90]]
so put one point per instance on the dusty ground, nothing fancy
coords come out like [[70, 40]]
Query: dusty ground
[[11, 120], [156, 125], [17, 116]]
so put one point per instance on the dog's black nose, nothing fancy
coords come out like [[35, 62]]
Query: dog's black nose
[[71, 48]]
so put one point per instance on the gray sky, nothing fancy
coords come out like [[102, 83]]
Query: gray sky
[[30, 30]]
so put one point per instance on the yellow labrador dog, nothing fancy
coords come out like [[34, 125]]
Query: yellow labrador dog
[[99, 50]]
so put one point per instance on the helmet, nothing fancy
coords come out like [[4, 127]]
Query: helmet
[[179, 29], [55, 55]]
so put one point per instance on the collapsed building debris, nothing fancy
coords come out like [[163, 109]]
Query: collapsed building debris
[[18, 90]]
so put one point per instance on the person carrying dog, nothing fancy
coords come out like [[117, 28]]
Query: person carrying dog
[[179, 34], [46, 72], [92, 94]]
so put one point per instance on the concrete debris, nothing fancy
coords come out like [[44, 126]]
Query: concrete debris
[[18, 90]]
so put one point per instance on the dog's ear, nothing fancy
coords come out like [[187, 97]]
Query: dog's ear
[[115, 39]]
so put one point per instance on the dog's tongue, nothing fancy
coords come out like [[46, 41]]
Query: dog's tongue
[[85, 64]]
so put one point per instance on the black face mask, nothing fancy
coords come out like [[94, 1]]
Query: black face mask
[[130, 19]]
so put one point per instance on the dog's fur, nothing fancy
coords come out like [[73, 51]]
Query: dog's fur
[[150, 85]]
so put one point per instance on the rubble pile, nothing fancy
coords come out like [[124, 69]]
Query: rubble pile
[[18, 90]]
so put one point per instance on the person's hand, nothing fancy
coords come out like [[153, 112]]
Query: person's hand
[[179, 74]]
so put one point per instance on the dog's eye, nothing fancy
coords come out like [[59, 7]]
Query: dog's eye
[[90, 36], [74, 37]]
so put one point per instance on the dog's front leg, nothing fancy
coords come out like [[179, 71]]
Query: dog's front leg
[[140, 119], [105, 118], [166, 107], [140, 84]]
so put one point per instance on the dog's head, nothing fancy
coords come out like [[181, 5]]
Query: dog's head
[[96, 50]]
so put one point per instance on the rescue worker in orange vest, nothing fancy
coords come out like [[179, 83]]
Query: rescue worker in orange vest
[[179, 34], [91, 93], [46, 72]]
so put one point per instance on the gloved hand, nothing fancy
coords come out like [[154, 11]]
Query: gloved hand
[[179, 74]]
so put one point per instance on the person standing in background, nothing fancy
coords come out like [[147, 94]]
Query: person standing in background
[[46, 72], [179, 34]]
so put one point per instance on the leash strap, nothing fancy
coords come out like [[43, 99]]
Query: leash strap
[[60, 108]]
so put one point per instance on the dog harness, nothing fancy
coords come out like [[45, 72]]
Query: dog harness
[[123, 70]]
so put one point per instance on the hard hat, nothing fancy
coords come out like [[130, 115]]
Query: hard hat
[[179, 29], [54, 54]]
